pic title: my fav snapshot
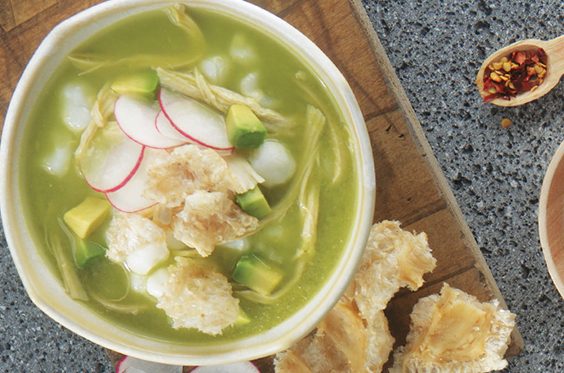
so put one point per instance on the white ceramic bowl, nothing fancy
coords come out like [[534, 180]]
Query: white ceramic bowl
[[44, 288], [551, 218]]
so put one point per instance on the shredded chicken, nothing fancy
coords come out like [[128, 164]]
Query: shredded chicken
[[100, 114], [195, 85], [209, 218], [196, 296], [186, 170], [244, 175]]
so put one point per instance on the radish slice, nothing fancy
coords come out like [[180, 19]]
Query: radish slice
[[240, 367], [136, 119], [110, 160], [194, 120], [165, 128], [129, 198], [129, 364]]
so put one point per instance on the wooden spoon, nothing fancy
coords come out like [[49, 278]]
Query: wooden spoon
[[551, 218], [554, 69]]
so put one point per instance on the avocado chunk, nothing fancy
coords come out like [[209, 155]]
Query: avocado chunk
[[242, 318], [244, 129], [143, 83], [86, 250], [87, 217], [254, 203], [256, 274]]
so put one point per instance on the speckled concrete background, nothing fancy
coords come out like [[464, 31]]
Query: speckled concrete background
[[496, 174], [436, 48]]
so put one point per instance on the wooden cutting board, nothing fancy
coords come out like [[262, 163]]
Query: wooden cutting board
[[410, 185]]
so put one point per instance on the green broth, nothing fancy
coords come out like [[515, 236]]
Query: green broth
[[48, 197]]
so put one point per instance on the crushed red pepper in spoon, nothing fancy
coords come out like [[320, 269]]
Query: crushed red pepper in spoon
[[520, 72]]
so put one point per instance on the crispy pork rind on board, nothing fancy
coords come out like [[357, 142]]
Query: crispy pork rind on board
[[344, 329], [454, 332], [342, 343], [338, 345], [209, 218], [196, 296], [380, 342], [394, 258], [184, 171], [355, 339], [290, 361], [130, 232]]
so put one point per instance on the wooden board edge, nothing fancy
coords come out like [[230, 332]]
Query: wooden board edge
[[417, 132]]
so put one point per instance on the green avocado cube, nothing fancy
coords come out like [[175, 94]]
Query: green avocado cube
[[244, 129], [242, 318], [87, 217], [143, 83], [86, 250], [256, 274], [254, 203]]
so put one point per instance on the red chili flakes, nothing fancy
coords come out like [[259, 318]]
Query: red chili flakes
[[520, 72]]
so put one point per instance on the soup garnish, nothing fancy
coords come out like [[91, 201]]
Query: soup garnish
[[210, 188]]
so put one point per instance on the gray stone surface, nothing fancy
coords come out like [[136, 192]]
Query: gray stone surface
[[436, 48]]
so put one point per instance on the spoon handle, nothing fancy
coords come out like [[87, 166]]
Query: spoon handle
[[555, 51]]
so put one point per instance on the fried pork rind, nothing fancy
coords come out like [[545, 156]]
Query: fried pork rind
[[321, 352], [186, 170], [209, 218], [342, 343], [393, 259], [197, 297], [352, 338], [131, 232], [454, 332], [344, 329], [290, 361], [380, 342]]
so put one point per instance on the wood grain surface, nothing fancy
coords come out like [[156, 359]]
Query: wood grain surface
[[551, 219], [410, 185]]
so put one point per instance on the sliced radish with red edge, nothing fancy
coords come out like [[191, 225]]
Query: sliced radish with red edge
[[194, 120], [165, 128], [136, 118], [128, 364], [130, 198], [240, 367], [110, 160]]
